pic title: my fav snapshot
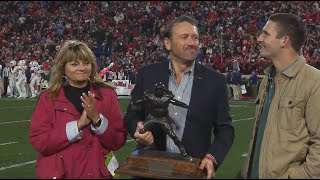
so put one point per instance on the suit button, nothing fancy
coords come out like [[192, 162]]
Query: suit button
[[290, 102]]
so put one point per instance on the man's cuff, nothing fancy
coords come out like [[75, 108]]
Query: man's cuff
[[215, 163], [73, 133], [103, 126]]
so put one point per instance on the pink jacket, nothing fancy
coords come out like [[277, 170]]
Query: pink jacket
[[60, 158]]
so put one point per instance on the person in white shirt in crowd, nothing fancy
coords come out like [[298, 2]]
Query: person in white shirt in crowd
[[121, 75], [21, 79], [12, 77], [35, 78]]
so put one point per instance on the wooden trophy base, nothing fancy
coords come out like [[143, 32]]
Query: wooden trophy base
[[161, 165]]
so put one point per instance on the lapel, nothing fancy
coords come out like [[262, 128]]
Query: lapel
[[164, 73], [61, 103], [199, 82]]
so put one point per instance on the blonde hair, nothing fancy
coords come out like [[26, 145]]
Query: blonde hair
[[73, 50]]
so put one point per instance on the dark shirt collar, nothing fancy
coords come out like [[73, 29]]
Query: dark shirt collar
[[73, 94]]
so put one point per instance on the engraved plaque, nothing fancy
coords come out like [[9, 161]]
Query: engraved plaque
[[161, 165]]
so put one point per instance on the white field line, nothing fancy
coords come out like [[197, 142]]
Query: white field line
[[244, 155], [2, 144], [17, 165], [238, 105], [11, 122], [245, 119], [20, 107], [31, 162], [130, 140], [233, 104]]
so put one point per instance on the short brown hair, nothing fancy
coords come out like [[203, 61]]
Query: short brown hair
[[167, 33], [290, 25]]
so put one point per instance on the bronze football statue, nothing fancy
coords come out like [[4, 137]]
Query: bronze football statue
[[157, 102]]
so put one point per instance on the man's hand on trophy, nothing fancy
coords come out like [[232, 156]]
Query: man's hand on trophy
[[145, 138], [207, 163]]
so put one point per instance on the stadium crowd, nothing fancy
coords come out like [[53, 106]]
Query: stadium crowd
[[128, 33]]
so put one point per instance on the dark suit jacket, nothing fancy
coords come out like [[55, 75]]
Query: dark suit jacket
[[208, 111]]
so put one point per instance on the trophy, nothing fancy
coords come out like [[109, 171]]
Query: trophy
[[150, 163]]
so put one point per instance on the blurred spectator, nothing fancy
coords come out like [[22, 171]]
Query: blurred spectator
[[126, 32], [253, 85]]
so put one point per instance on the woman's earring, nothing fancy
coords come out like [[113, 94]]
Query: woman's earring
[[65, 80]]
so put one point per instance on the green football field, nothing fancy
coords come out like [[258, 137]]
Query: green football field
[[17, 156]]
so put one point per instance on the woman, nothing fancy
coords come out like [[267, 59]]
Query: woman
[[77, 120]]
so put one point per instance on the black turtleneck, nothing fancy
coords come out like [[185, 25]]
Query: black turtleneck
[[73, 94]]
